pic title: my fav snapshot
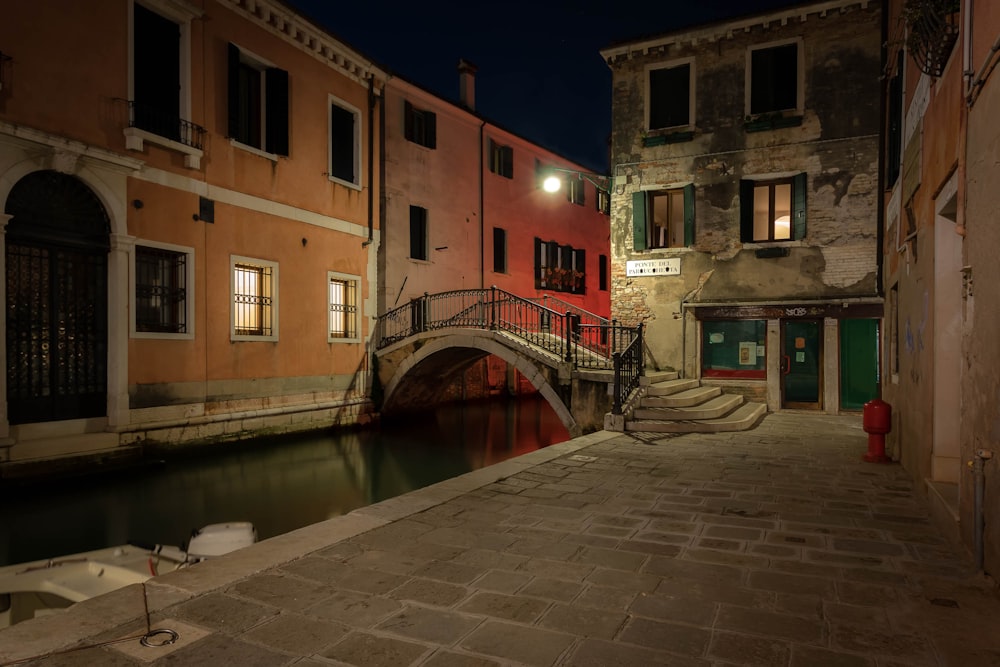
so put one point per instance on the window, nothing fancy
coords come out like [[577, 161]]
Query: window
[[258, 103], [663, 218], [161, 301], [773, 210], [603, 201], [774, 79], [343, 291], [419, 126], [576, 190], [560, 268], [894, 124], [499, 250], [671, 96], [156, 80], [602, 269], [501, 160], [255, 303], [418, 232], [734, 348], [345, 156]]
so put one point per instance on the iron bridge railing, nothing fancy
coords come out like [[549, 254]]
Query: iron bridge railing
[[574, 335]]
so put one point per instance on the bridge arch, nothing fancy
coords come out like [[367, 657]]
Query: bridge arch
[[467, 346]]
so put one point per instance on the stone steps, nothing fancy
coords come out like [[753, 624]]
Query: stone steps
[[685, 406]]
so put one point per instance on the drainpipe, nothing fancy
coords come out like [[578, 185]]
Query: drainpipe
[[880, 195], [982, 455], [482, 212], [371, 160]]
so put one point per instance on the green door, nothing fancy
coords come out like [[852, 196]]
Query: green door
[[859, 372], [801, 364]]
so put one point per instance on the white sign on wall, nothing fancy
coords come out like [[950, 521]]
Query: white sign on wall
[[640, 268]]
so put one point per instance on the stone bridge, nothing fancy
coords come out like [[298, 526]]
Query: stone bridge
[[567, 356]]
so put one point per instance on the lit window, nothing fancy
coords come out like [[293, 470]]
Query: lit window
[[663, 218], [343, 294], [255, 287], [773, 210]]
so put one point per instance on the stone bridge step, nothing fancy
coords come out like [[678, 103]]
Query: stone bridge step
[[668, 387], [742, 418], [711, 408], [681, 399]]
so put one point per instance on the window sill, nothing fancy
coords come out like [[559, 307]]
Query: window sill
[[665, 251], [233, 338], [776, 123], [759, 245], [153, 335], [273, 157], [346, 184], [135, 141], [334, 340], [667, 138]]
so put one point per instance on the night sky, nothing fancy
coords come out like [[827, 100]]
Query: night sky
[[540, 72]]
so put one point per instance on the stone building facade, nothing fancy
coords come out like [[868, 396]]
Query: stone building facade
[[745, 202]]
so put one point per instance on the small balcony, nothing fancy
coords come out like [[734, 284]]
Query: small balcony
[[146, 123], [933, 27]]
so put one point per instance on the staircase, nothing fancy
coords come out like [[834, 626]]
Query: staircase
[[672, 405]]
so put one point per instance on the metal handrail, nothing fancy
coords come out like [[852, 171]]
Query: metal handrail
[[151, 119], [602, 345]]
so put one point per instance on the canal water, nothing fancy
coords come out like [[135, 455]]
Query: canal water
[[279, 484]]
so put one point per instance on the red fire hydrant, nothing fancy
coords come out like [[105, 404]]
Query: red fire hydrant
[[877, 421]]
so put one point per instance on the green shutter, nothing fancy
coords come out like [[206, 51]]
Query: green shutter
[[407, 121], [799, 206], [689, 215], [233, 59], [538, 263], [430, 129], [639, 220], [746, 211]]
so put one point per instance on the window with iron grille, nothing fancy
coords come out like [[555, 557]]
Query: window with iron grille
[[161, 290], [560, 268], [255, 305], [343, 294]]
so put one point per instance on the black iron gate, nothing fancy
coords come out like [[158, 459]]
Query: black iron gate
[[56, 310]]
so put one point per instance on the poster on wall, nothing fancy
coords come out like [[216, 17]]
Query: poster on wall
[[748, 353]]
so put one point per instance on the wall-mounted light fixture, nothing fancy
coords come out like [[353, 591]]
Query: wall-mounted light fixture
[[553, 181]]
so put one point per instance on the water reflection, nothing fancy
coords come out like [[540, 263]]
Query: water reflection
[[279, 485]]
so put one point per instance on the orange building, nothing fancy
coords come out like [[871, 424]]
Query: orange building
[[942, 102], [190, 196]]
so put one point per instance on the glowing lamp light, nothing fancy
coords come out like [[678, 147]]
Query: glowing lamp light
[[552, 184], [784, 222]]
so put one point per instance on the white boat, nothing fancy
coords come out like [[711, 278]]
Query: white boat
[[43, 587]]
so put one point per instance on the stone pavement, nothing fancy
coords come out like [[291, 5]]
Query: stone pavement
[[776, 546]]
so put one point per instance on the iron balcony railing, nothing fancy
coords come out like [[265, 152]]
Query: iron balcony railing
[[164, 124], [576, 336]]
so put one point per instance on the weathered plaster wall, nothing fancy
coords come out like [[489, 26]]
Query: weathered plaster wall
[[836, 146]]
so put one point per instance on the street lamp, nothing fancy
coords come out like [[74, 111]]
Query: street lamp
[[554, 180]]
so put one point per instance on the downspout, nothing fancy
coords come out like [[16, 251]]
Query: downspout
[[981, 456], [371, 160], [880, 196], [482, 212]]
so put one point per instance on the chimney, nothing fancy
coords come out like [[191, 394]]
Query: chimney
[[467, 84]]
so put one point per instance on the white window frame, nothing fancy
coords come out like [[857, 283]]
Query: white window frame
[[262, 263], [261, 65], [347, 106], [800, 86], [188, 293], [670, 64], [345, 277], [182, 14]]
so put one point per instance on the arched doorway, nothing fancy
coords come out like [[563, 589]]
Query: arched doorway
[[57, 244]]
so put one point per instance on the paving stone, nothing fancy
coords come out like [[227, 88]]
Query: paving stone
[[430, 592], [531, 646], [295, 633], [366, 650], [619, 560], [509, 607], [849, 613], [386, 561], [224, 612], [583, 621], [874, 641], [453, 573], [551, 589], [502, 581], [770, 624], [633, 581], [868, 547], [733, 532], [490, 560], [810, 656], [664, 608], [442, 658], [605, 597], [281, 591], [355, 609], [865, 594], [540, 567], [219, 649], [346, 576], [745, 650], [670, 568], [430, 625], [683, 640], [789, 583]]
